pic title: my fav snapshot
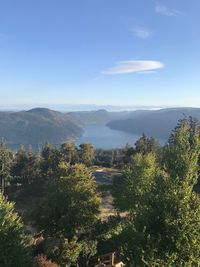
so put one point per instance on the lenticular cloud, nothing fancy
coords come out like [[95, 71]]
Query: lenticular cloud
[[134, 66]]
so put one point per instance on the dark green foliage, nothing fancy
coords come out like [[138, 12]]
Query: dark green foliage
[[145, 145], [5, 165], [71, 203], [67, 252], [88, 250], [86, 154], [182, 152], [110, 157], [103, 157], [49, 162], [108, 234], [13, 241], [132, 188], [164, 225], [25, 167], [69, 152]]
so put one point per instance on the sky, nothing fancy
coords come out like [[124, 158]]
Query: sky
[[103, 52]]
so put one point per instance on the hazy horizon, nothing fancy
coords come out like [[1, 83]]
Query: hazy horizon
[[86, 107]]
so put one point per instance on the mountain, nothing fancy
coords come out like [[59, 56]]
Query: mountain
[[101, 116], [157, 123], [41, 125], [37, 125]]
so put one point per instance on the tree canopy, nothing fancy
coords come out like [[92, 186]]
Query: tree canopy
[[71, 203], [164, 230], [14, 243]]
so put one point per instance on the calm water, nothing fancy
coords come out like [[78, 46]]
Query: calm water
[[100, 136], [103, 137]]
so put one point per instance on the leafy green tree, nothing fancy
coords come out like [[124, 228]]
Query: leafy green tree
[[69, 152], [49, 162], [14, 244], [145, 145], [5, 165], [25, 167], [182, 152], [165, 229], [86, 154], [67, 252], [88, 250], [128, 153], [130, 190], [104, 157], [71, 203]]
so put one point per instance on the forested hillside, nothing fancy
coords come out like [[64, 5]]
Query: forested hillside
[[157, 123], [37, 126], [51, 203], [40, 125]]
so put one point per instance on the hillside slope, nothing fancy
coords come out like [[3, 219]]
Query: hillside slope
[[154, 123], [35, 126], [101, 116]]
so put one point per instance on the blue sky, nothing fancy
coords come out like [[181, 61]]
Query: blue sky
[[118, 52]]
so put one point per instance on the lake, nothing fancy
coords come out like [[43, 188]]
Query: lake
[[100, 136], [103, 137]]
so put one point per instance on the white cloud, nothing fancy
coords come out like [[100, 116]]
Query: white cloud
[[141, 32], [166, 11], [134, 66]]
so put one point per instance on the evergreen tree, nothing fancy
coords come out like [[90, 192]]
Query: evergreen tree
[[25, 167], [71, 203], [132, 188], [5, 166], [164, 230], [49, 162], [69, 152], [86, 154], [145, 145], [13, 241]]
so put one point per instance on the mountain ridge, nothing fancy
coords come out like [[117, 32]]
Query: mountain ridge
[[157, 123], [37, 126]]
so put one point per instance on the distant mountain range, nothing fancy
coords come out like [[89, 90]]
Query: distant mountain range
[[80, 107], [95, 117], [41, 125], [157, 123]]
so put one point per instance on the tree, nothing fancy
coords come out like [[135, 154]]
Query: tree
[[88, 250], [67, 253], [164, 230], [86, 154], [131, 189], [25, 167], [50, 159], [182, 152], [145, 145], [71, 203], [69, 152], [5, 165], [14, 244]]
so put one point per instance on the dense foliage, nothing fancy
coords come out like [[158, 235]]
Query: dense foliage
[[157, 219], [164, 224], [71, 203], [14, 243]]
